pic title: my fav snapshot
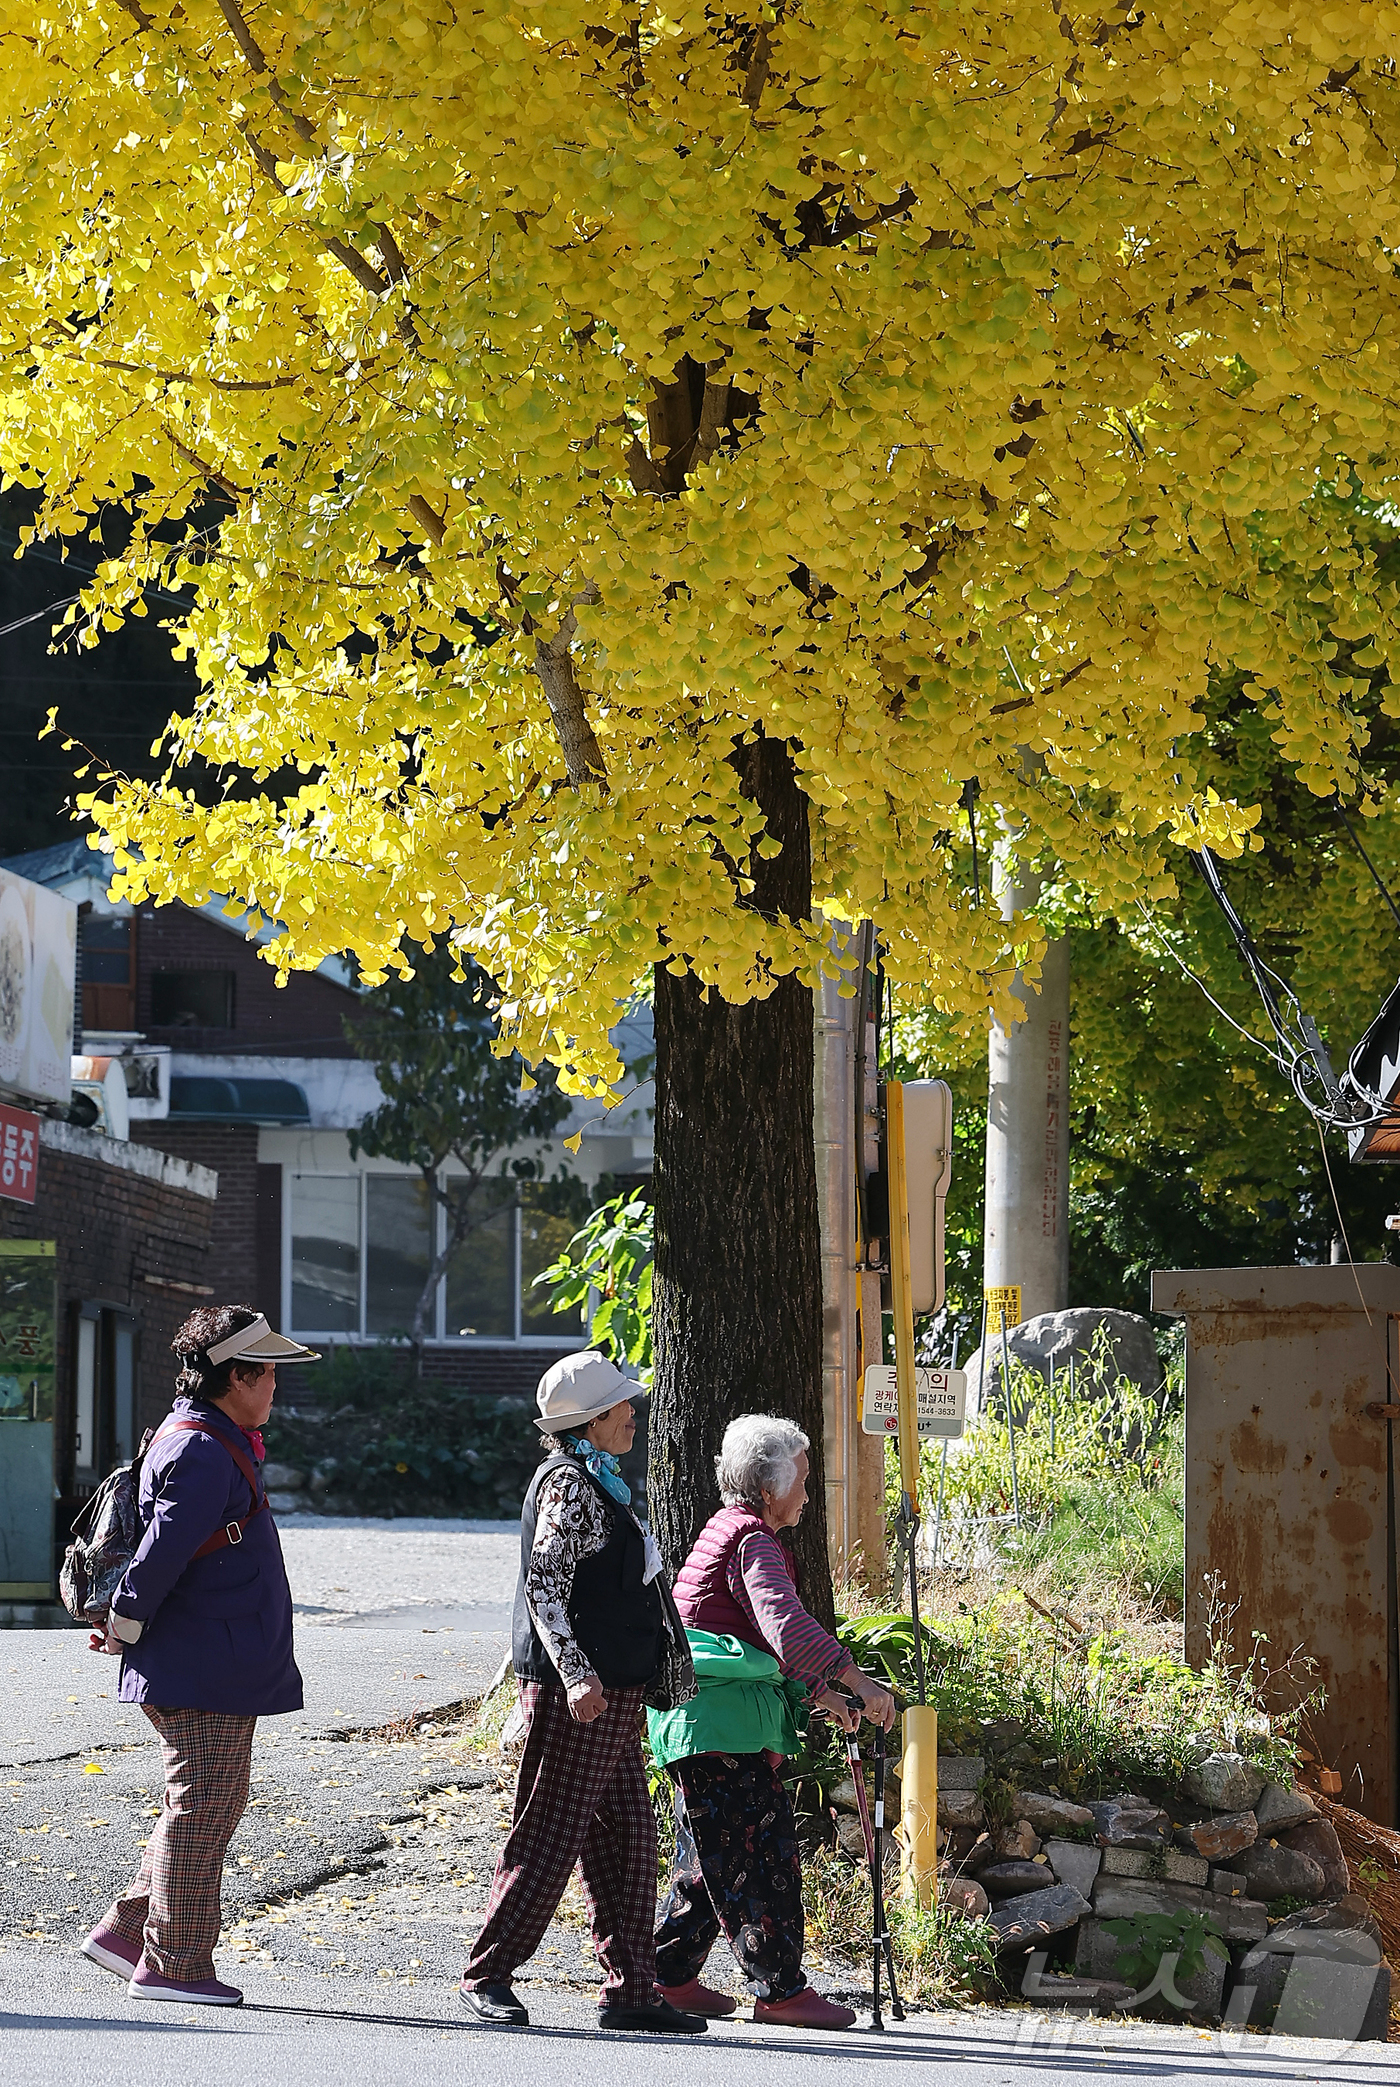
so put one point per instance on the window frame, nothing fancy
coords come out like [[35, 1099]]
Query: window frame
[[439, 1336]]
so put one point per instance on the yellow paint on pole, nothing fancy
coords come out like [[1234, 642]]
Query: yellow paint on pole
[[919, 1803], [902, 1294]]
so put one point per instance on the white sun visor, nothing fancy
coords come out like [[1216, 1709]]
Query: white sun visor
[[258, 1343]]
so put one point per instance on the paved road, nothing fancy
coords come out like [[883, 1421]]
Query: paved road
[[402, 1575], [64, 2023], [360, 1873]]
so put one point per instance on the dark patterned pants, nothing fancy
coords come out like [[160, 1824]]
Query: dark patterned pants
[[737, 1868], [581, 1797], [172, 1909]]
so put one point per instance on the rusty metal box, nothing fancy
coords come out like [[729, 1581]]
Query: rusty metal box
[[1290, 1494]]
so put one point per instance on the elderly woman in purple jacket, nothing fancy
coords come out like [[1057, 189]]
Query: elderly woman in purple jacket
[[203, 1622]]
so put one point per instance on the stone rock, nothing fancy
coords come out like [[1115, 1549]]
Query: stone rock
[[1231, 1884], [1095, 1996], [1225, 1782], [1074, 1863], [1276, 1872], [1238, 1920], [960, 1841], [1052, 1813], [850, 1839], [960, 1771], [1021, 1923], [1096, 1956], [285, 1503], [843, 1794], [982, 1851], [1279, 1807], [1318, 1838], [1130, 1822], [1009, 1880], [1223, 1836], [1002, 1734], [959, 1808], [1131, 1348], [283, 1478], [1018, 1842], [1320, 1973], [323, 1477], [963, 1895], [1168, 1863]]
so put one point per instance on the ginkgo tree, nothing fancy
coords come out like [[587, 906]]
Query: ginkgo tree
[[642, 466]]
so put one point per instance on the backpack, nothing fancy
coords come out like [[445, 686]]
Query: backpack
[[109, 1530]]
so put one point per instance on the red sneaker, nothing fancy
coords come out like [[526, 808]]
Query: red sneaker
[[694, 1999], [804, 2009], [197, 1992], [112, 1951]]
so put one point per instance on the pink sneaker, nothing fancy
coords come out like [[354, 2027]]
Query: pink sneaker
[[694, 1999], [804, 2009], [112, 1951], [204, 1992]]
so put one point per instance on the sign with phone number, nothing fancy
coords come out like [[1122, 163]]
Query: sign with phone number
[[942, 1396]]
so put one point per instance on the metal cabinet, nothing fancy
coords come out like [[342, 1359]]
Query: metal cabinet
[[1291, 1377]]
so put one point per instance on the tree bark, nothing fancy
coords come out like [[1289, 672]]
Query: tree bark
[[737, 1302]]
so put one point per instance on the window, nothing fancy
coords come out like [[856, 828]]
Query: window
[[361, 1245], [397, 1251], [189, 999], [108, 972], [326, 1252], [480, 1283], [543, 1238]]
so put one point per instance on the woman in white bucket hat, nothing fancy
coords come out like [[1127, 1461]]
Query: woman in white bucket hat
[[595, 1637]]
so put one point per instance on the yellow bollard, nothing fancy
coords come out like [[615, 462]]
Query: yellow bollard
[[919, 1803]]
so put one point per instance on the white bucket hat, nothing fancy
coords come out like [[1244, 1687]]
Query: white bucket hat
[[577, 1388], [258, 1343]]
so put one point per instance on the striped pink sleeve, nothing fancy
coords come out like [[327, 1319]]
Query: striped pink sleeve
[[761, 1583]]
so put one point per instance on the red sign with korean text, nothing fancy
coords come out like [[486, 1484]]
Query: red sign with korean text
[[19, 1154]]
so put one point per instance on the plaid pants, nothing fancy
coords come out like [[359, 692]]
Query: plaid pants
[[172, 1908], [581, 1797]]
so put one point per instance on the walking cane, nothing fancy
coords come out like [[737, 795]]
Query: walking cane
[[874, 1854]]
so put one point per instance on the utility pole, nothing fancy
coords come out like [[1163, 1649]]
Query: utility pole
[[855, 1462], [1026, 1236]]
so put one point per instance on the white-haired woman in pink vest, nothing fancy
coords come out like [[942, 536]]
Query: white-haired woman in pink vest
[[738, 1866]]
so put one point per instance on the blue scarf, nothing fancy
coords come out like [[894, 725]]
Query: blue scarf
[[603, 1466]]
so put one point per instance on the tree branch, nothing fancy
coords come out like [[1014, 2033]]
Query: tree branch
[[427, 518], [583, 757]]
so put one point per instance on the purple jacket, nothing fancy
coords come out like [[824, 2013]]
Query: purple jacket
[[218, 1632]]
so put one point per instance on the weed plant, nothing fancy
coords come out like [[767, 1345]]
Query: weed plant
[[1098, 1486], [941, 1959]]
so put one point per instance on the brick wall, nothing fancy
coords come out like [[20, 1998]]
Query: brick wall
[[231, 1150], [500, 1371], [304, 1019], [125, 1238]]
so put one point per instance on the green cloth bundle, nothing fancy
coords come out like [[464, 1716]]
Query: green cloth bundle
[[743, 1705]]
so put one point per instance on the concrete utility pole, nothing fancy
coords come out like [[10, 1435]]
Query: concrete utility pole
[[855, 1462], [1026, 1236]]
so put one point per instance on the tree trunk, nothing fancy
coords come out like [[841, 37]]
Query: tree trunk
[[737, 1302]]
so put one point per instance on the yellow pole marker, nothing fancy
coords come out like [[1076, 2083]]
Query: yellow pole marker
[[919, 1803], [919, 1771]]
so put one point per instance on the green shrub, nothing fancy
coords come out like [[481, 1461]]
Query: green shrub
[[388, 1446]]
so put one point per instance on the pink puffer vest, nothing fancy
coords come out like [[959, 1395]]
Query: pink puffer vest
[[702, 1586]]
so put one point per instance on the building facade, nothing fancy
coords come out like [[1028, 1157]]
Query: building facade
[[233, 1109]]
